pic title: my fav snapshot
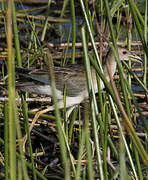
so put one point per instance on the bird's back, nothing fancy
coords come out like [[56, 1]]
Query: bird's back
[[71, 77]]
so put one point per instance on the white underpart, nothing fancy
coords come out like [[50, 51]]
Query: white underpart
[[70, 101], [46, 90]]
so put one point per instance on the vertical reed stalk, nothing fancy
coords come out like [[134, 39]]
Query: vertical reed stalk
[[16, 36], [57, 112], [6, 139], [11, 96], [138, 25], [24, 108], [46, 21], [73, 30], [80, 154], [93, 103], [145, 36], [64, 7], [88, 146]]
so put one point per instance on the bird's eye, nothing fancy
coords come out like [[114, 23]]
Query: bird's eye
[[124, 52]]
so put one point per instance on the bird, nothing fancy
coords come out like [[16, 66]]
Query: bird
[[73, 77]]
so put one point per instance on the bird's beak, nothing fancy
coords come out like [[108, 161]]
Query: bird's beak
[[135, 58]]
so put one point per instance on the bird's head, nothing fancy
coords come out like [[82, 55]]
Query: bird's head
[[126, 55]]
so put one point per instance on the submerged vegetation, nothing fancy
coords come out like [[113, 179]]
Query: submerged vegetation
[[105, 137]]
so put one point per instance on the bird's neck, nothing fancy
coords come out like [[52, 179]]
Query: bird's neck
[[111, 64]]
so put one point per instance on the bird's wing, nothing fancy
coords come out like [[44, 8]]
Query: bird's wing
[[36, 75], [71, 77]]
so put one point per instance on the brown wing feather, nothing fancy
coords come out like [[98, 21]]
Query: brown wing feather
[[72, 77]]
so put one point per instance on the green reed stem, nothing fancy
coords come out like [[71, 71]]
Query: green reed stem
[[115, 6], [71, 125], [138, 25], [11, 96], [16, 36], [145, 36], [73, 30], [64, 114], [93, 103], [25, 114], [137, 160], [65, 3], [46, 21], [123, 169], [80, 155], [6, 139], [91, 35], [122, 134], [23, 168], [113, 148], [88, 146], [57, 112], [105, 143], [65, 51]]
